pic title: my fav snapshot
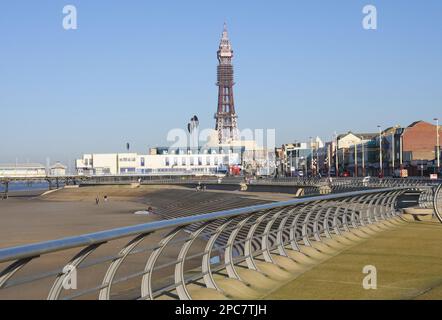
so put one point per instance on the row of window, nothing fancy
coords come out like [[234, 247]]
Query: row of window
[[190, 152], [164, 170], [175, 161], [200, 161]]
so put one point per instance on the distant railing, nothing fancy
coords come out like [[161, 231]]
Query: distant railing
[[438, 202], [168, 258]]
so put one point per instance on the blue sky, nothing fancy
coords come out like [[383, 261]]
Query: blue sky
[[135, 69]]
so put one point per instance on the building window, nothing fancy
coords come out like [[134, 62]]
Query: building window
[[167, 162], [143, 163]]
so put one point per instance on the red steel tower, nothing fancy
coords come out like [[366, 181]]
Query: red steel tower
[[226, 118]]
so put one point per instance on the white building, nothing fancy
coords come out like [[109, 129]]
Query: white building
[[350, 139], [256, 158], [159, 162], [57, 170], [22, 170]]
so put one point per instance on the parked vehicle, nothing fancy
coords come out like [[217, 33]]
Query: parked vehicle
[[366, 181]]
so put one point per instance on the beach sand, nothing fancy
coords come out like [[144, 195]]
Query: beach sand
[[29, 218]]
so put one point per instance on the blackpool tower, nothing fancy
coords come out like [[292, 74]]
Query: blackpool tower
[[226, 118]]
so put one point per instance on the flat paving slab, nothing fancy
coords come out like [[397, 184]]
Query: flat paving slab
[[408, 260]]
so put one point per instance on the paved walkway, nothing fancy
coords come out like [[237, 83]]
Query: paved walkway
[[408, 261]]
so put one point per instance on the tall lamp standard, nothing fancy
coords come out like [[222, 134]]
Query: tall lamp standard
[[311, 155], [356, 159], [363, 156], [392, 152], [401, 147], [437, 144], [329, 153], [381, 169], [393, 148], [337, 155]]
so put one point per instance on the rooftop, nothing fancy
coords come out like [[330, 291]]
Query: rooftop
[[22, 166]]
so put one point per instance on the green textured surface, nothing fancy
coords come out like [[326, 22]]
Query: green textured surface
[[408, 259]]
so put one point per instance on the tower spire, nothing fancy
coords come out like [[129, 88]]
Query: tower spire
[[225, 32], [226, 118]]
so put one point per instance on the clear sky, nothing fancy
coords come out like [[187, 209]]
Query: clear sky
[[135, 69]]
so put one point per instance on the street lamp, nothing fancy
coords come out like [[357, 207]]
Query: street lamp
[[311, 155], [356, 159], [393, 147], [363, 155], [336, 155], [437, 144], [329, 154], [401, 147], [381, 169]]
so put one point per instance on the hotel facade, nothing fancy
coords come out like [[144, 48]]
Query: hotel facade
[[160, 161]]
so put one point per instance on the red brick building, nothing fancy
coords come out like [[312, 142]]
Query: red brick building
[[419, 145]]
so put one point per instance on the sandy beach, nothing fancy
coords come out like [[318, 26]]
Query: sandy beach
[[30, 218]]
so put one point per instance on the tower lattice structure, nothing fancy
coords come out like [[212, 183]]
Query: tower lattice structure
[[226, 118]]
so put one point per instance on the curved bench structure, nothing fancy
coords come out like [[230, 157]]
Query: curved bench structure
[[237, 253]]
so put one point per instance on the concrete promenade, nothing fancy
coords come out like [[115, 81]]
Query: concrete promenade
[[408, 259]]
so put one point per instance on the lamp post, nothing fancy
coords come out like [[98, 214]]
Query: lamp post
[[363, 156], [318, 169], [392, 151], [401, 150], [356, 159], [337, 155], [393, 147], [381, 169], [290, 163], [311, 156], [329, 159], [437, 144]]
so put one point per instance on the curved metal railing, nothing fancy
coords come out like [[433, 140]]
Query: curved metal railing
[[169, 258]]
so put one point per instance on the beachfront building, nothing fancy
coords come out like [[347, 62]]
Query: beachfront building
[[57, 170], [405, 151], [355, 148], [293, 159], [22, 170], [160, 161], [256, 159]]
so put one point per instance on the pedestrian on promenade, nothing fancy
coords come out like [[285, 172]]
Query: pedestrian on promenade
[[97, 200]]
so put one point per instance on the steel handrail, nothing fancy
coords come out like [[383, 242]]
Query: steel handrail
[[41, 248]]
